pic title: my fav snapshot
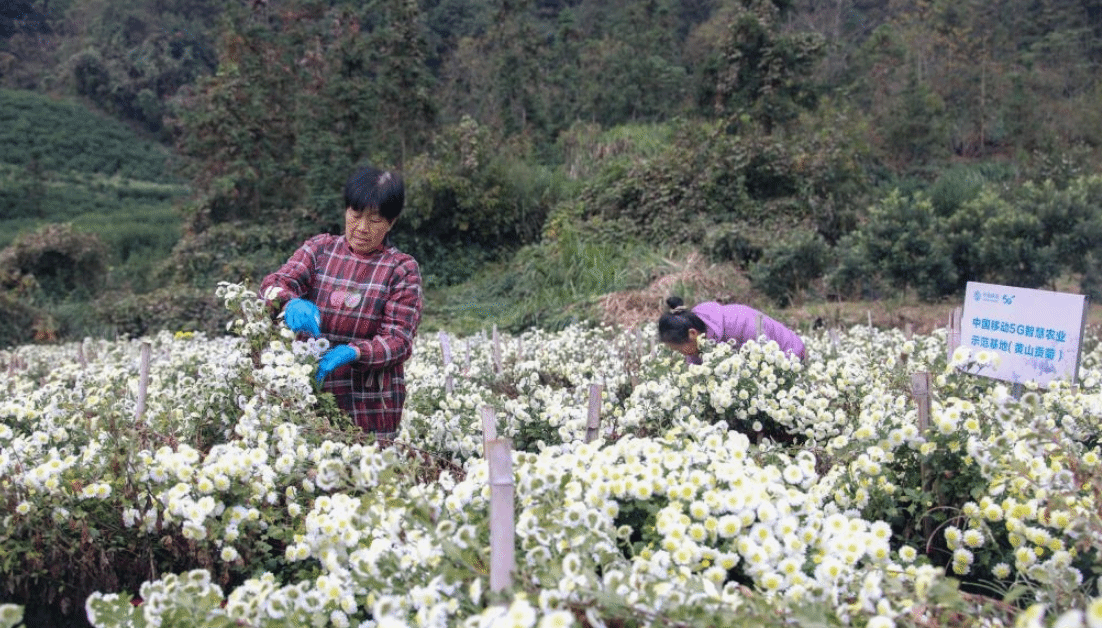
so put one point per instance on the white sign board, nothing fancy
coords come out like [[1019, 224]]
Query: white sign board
[[1035, 334]]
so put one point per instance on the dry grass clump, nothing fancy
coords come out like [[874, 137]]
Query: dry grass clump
[[693, 279]]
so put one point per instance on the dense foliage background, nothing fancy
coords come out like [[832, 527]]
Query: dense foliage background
[[555, 150]]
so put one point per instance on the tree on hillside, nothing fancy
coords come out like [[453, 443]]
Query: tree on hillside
[[1008, 75], [644, 79], [301, 95], [495, 77], [128, 59], [765, 73]]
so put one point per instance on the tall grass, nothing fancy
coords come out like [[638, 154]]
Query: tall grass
[[548, 285]]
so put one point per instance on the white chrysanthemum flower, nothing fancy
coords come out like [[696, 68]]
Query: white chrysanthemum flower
[[973, 538], [557, 619], [1093, 613], [880, 621]]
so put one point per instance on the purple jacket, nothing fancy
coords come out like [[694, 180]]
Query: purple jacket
[[740, 323]]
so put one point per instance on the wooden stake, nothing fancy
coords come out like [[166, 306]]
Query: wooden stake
[[502, 519]]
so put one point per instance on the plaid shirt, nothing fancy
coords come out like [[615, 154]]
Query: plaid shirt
[[372, 302]]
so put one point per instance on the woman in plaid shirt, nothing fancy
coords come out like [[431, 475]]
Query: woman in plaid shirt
[[364, 296]]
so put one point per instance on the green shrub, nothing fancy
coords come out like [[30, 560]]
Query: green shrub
[[954, 187], [1027, 236], [445, 261], [790, 266], [1070, 219], [998, 241], [706, 176], [853, 275], [233, 251], [904, 243], [473, 188], [586, 150], [733, 243], [57, 261], [169, 308], [22, 322]]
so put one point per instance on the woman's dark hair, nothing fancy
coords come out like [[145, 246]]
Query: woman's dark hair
[[674, 326], [382, 190]]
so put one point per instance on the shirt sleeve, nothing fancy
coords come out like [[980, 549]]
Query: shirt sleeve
[[293, 279], [393, 343]]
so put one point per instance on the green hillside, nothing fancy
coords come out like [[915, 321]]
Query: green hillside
[[63, 135], [820, 153], [61, 162]]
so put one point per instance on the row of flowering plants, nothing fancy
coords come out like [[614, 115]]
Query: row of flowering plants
[[751, 489]]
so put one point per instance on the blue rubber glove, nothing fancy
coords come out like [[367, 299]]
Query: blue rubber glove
[[302, 316], [333, 358]]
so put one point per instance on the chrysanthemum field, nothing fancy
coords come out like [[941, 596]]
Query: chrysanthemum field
[[750, 490]]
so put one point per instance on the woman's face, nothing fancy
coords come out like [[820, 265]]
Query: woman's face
[[689, 347], [365, 229]]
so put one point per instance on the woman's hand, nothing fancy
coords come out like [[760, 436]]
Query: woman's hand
[[302, 316], [336, 357]]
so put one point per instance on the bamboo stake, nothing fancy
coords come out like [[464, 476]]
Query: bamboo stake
[[446, 352], [593, 422], [143, 380], [502, 531], [638, 356], [954, 332], [489, 425], [920, 390], [497, 351]]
